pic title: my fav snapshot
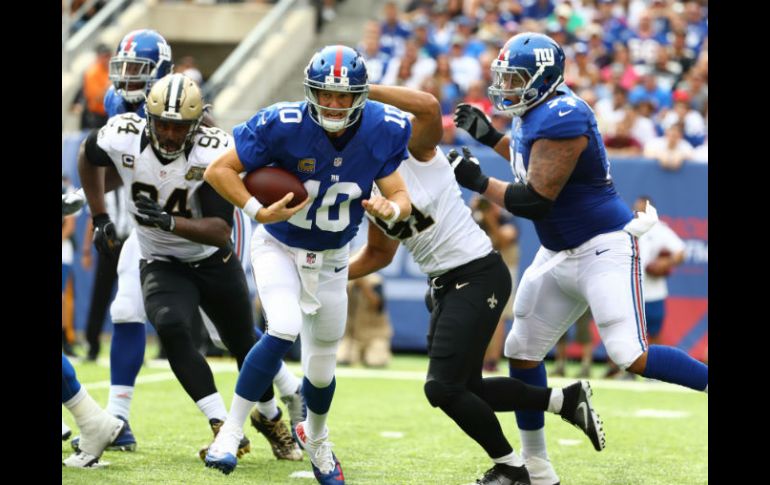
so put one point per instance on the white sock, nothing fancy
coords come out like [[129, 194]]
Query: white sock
[[120, 400], [511, 459], [83, 407], [213, 406], [316, 426], [556, 400], [239, 411], [268, 409], [533, 443], [286, 382]]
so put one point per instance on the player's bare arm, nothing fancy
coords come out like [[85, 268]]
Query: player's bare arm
[[92, 180], [377, 253], [394, 193], [223, 175], [551, 163], [426, 122]]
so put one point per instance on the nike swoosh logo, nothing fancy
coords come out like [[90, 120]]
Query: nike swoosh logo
[[458, 285], [564, 113], [337, 270], [602, 251], [582, 407], [227, 258]]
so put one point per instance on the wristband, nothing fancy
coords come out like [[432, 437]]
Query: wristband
[[396, 212], [252, 207]]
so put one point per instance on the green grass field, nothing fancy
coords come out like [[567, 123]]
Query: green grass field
[[656, 434]]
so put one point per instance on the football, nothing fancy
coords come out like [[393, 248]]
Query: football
[[271, 184]]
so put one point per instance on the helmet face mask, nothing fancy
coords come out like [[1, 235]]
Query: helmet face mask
[[336, 69], [174, 111], [142, 57], [528, 69]]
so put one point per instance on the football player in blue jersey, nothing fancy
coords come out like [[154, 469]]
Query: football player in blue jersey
[[339, 145], [590, 251]]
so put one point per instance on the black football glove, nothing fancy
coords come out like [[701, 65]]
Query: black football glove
[[151, 213], [467, 170], [105, 236], [476, 123]]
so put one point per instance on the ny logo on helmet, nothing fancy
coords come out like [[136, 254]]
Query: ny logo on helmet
[[164, 51], [544, 57]]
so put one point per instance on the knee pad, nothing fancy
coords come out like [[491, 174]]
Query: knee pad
[[438, 393], [623, 353], [319, 368], [169, 324], [125, 310]]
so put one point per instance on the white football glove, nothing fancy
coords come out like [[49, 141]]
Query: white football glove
[[643, 221], [72, 202]]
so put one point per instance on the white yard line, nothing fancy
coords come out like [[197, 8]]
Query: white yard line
[[218, 366]]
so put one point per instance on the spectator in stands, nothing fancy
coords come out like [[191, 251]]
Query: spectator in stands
[[410, 69], [620, 68], [670, 150], [582, 73], [694, 124], [610, 112], [643, 127], [96, 81], [678, 50], [465, 69], [394, 31], [620, 141], [665, 70], [649, 89], [538, 9], [644, 44], [376, 60], [421, 37]]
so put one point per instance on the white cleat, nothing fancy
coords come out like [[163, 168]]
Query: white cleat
[[81, 459], [541, 471], [97, 432]]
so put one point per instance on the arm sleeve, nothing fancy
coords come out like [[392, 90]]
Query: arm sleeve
[[522, 200], [214, 205], [94, 153]]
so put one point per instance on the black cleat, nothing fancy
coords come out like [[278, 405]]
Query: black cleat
[[578, 411], [501, 474]]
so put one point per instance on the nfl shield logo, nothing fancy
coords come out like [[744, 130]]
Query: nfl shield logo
[[338, 161], [310, 258]]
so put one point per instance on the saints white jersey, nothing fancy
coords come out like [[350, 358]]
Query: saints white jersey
[[173, 185], [440, 233]]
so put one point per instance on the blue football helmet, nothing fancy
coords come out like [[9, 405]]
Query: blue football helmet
[[142, 57], [530, 66], [341, 69]]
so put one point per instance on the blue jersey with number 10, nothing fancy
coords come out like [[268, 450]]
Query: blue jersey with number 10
[[285, 136]]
